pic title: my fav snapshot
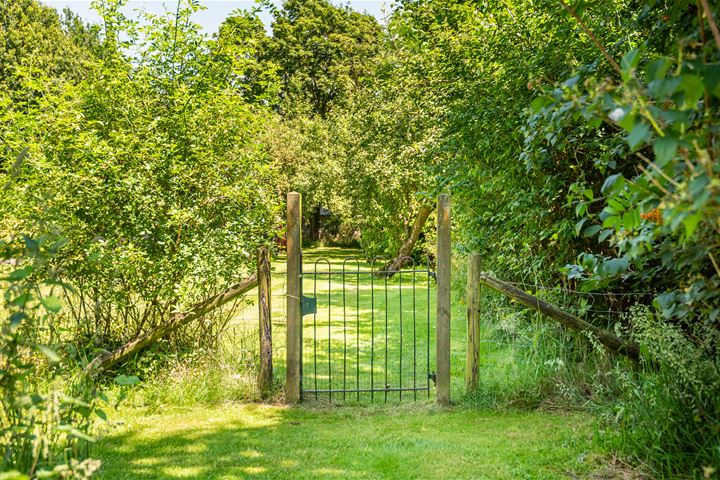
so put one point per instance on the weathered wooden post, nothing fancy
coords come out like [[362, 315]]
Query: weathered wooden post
[[472, 358], [442, 329], [294, 313], [265, 315]]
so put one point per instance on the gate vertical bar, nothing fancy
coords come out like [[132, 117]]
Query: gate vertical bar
[[372, 329], [265, 321], [387, 385], [442, 329], [294, 311], [472, 358], [357, 328], [315, 375], [329, 332], [427, 340], [344, 333], [414, 337], [401, 330]]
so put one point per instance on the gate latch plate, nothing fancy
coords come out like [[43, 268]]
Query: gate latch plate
[[309, 305]]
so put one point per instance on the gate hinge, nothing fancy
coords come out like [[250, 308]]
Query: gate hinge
[[308, 305], [433, 377]]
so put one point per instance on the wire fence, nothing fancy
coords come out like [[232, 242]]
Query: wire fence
[[241, 340], [586, 305]]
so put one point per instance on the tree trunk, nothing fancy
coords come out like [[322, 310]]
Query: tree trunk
[[176, 320], [403, 256], [614, 343]]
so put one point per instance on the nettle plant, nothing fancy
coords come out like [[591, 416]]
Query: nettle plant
[[44, 431]]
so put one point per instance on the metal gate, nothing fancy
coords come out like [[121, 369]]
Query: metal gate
[[366, 336]]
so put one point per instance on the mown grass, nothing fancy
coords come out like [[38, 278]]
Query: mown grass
[[401, 442], [196, 428]]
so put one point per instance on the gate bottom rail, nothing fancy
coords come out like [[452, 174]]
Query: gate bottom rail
[[370, 390]]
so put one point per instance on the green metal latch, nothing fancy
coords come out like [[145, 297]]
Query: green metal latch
[[309, 305]]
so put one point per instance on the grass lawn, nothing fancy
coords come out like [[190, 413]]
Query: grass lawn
[[413, 440]]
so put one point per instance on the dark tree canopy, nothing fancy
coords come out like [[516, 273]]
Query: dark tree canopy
[[324, 52]]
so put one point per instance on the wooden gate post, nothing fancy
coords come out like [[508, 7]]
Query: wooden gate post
[[265, 316], [442, 329], [472, 358], [294, 313]]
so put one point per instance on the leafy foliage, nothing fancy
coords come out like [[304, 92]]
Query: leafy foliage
[[152, 171], [44, 431], [579, 141]]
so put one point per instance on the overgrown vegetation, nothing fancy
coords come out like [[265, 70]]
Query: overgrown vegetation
[[578, 139]]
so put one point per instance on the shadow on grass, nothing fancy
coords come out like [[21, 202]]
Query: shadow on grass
[[263, 441]]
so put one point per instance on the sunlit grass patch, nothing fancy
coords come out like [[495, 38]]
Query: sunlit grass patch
[[413, 440]]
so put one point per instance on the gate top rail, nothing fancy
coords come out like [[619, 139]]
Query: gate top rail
[[365, 272], [358, 271]]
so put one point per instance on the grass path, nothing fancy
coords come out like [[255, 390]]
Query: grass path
[[399, 442]]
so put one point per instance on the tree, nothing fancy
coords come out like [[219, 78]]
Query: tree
[[34, 47], [324, 53]]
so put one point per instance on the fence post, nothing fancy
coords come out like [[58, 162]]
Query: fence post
[[442, 329], [265, 316], [294, 314], [472, 358]]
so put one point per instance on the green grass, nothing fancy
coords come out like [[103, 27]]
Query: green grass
[[216, 438], [409, 441]]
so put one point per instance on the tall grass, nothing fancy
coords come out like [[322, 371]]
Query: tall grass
[[527, 362], [667, 414]]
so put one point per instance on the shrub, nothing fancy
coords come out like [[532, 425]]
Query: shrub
[[44, 431], [668, 414]]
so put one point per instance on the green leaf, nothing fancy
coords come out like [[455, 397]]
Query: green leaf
[[49, 353], [611, 221], [21, 300], [52, 304], [694, 89], [126, 380], [616, 204], [605, 234], [74, 432], [711, 77], [16, 319], [698, 185], [614, 266], [631, 219], [691, 222], [623, 116], [612, 181], [665, 149], [539, 103], [580, 209], [19, 274], [591, 230], [629, 62], [657, 68], [578, 226], [638, 136], [664, 88]]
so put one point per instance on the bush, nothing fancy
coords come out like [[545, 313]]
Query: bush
[[44, 431], [668, 414]]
